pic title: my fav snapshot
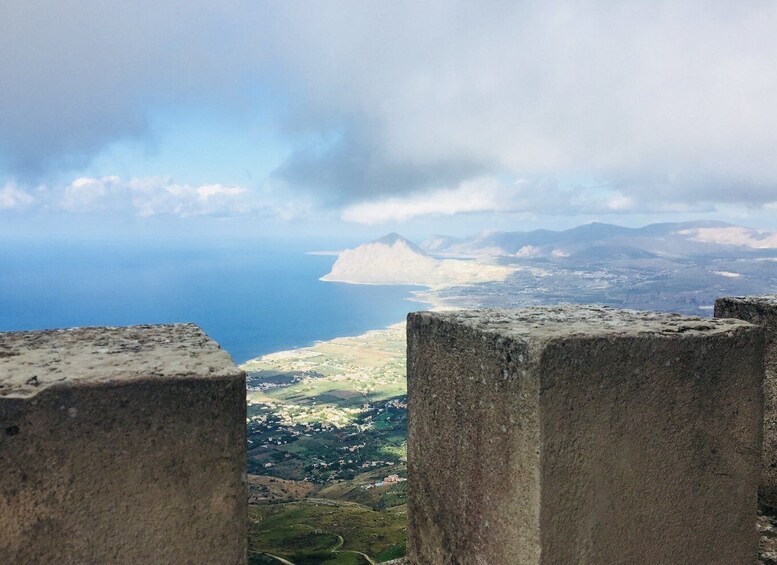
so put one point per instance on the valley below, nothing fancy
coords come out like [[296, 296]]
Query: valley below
[[327, 451], [327, 423]]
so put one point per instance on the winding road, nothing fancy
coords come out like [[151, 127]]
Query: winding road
[[281, 559], [369, 559], [335, 549]]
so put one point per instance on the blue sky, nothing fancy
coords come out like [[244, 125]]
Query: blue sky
[[244, 118]]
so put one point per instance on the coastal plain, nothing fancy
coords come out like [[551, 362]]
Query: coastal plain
[[327, 424], [327, 451]]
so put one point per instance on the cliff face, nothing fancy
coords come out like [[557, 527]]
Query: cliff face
[[395, 260], [389, 260]]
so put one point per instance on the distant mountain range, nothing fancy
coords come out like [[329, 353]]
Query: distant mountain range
[[678, 267], [602, 241]]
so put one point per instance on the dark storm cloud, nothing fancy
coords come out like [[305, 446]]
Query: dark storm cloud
[[354, 164], [78, 75]]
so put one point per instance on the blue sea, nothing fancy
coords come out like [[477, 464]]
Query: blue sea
[[251, 298]]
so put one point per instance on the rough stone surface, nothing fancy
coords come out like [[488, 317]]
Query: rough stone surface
[[762, 310], [121, 445], [582, 435], [767, 550]]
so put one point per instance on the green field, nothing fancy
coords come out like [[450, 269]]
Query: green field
[[326, 531], [326, 425]]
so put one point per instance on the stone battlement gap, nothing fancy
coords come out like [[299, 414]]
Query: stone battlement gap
[[560, 434]]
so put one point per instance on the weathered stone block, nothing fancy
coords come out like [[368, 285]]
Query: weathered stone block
[[582, 435], [121, 445], [762, 310]]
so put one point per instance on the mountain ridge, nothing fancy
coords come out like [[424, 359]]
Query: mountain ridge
[[660, 239], [393, 259]]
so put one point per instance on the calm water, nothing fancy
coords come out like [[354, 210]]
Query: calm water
[[251, 299]]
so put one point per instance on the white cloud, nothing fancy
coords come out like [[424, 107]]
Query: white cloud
[[12, 197], [671, 104], [619, 202], [496, 195], [480, 195], [86, 194], [153, 196]]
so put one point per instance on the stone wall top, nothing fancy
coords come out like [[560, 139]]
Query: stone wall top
[[551, 322], [766, 300], [33, 361]]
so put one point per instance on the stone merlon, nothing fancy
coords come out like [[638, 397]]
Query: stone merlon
[[762, 310], [121, 445], [579, 434]]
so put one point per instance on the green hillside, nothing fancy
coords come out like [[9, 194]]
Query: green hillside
[[327, 447]]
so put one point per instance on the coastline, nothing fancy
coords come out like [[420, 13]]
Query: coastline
[[379, 283], [424, 297]]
